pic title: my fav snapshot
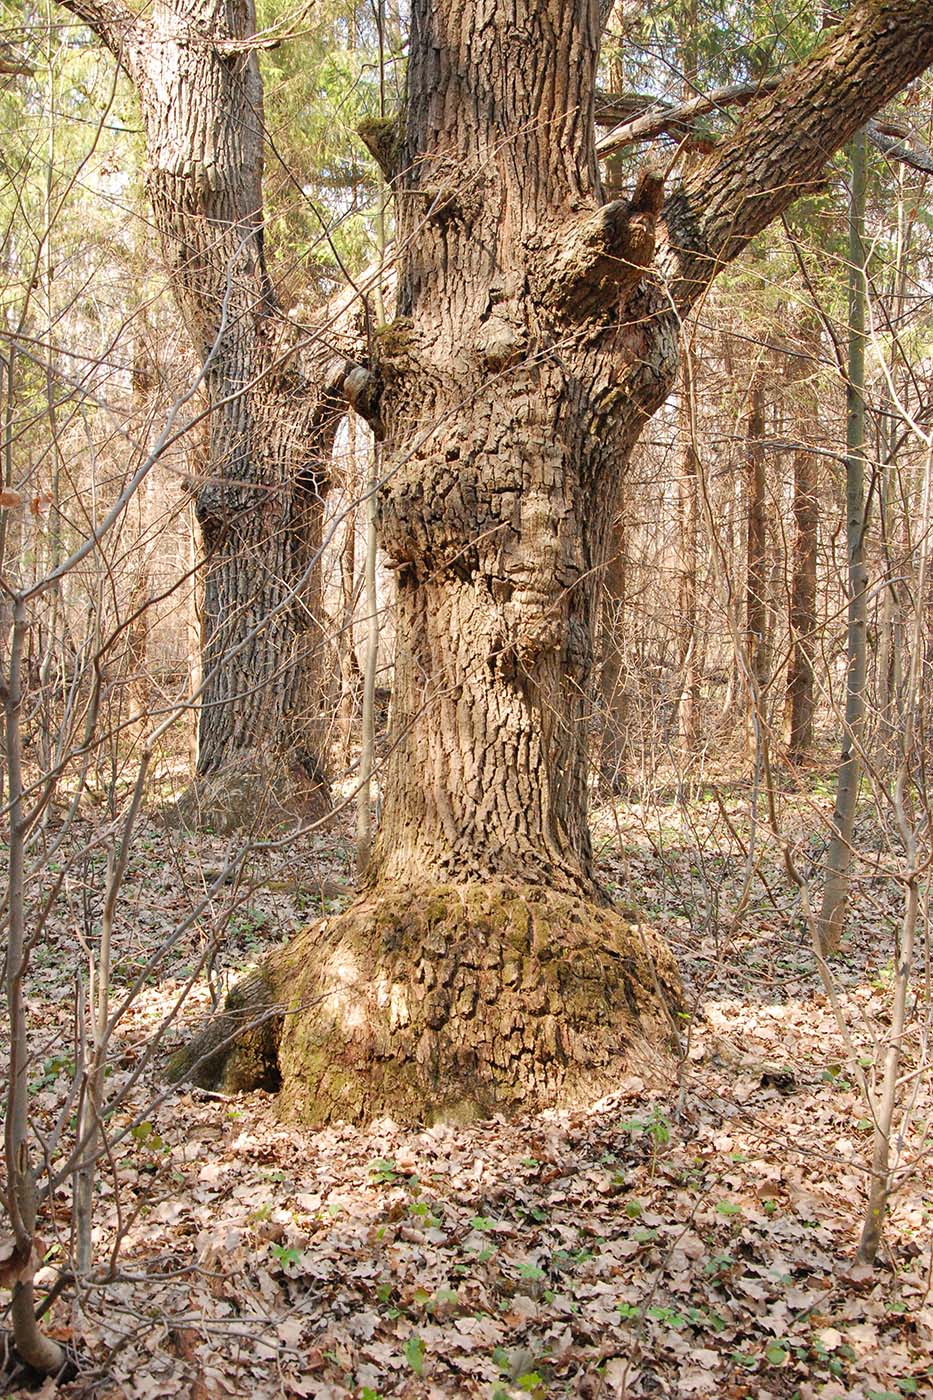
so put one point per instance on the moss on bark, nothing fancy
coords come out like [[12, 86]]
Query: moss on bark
[[456, 1002], [238, 1049]]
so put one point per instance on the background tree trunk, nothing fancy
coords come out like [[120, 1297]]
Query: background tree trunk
[[616, 743], [756, 570], [890, 667], [271, 412], [838, 857], [688, 710], [802, 614]]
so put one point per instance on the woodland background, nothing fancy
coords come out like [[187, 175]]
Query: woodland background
[[694, 1233]]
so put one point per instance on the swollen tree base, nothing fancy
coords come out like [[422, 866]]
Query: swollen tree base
[[451, 1002], [253, 794]]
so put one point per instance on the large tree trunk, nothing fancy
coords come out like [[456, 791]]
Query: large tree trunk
[[270, 415], [483, 967]]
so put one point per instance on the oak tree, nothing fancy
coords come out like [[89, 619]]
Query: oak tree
[[272, 395], [538, 329]]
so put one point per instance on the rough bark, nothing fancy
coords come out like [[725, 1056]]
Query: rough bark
[[615, 745], [782, 144], [509, 344], [272, 409], [535, 336], [446, 1002]]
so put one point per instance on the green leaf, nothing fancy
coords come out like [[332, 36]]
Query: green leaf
[[728, 1208], [285, 1254], [414, 1353], [776, 1354], [500, 1358], [669, 1316]]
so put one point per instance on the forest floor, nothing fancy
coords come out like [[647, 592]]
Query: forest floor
[[692, 1236]]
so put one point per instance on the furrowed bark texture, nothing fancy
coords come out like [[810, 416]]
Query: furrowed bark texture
[[785, 139], [273, 411], [513, 388], [534, 338], [445, 1002]]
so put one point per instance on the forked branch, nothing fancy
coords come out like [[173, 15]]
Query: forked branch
[[642, 119], [112, 21], [634, 117], [782, 145]]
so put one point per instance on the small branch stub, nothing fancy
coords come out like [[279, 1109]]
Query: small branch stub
[[363, 391], [380, 136]]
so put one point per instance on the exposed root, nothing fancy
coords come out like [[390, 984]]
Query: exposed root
[[237, 1050]]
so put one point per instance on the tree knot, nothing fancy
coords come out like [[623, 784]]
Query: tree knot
[[603, 256]]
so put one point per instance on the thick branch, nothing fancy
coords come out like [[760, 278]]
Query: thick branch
[[636, 118], [15, 68], [111, 20], [899, 142], [784, 141], [642, 119], [604, 255]]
